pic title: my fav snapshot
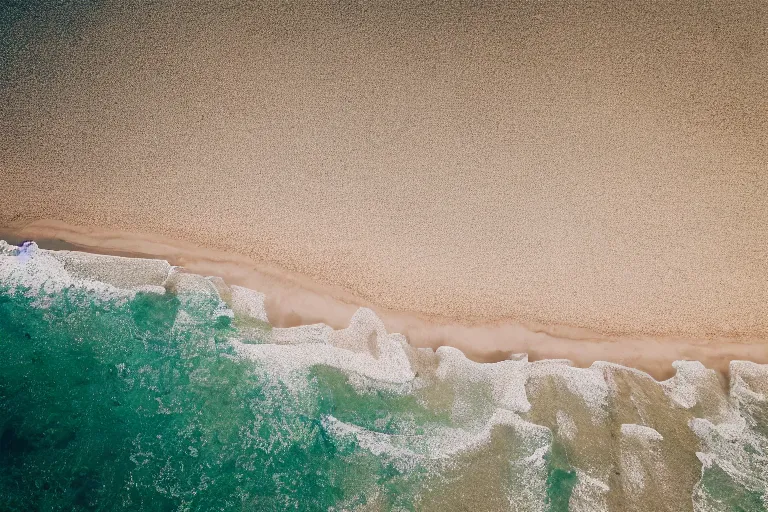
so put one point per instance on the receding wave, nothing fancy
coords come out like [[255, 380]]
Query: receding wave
[[128, 384]]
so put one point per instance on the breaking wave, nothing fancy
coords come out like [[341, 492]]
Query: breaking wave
[[129, 384]]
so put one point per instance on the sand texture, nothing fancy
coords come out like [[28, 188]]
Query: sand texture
[[597, 166]]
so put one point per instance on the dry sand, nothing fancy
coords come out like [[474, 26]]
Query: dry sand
[[597, 166]]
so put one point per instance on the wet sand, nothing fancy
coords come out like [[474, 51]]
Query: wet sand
[[293, 299]]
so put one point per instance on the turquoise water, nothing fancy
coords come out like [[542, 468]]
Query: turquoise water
[[128, 385]]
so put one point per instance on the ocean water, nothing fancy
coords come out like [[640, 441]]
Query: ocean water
[[128, 384]]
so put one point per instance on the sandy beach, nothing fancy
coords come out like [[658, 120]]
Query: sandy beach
[[247, 214], [584, 181], [294, 299]]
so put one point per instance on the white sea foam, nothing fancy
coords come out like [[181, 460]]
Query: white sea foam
[[565, 425], [248, 303], [731, 441], [737, 450], [365, 349], [197, 291], [640, 432], [685, 388], [587, 383], [749, 382], [371, 356], [441, 446], [120, 272], [589, 494], [506, 378], [304, 334], [39, 275]]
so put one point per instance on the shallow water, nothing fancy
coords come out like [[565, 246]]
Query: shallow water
[[126, 384]]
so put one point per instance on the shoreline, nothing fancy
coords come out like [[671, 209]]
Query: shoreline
[[293, 299]]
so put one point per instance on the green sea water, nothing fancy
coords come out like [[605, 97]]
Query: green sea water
[[173, 398]]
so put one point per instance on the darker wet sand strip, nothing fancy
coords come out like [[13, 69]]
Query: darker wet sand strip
[[293, 299]]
